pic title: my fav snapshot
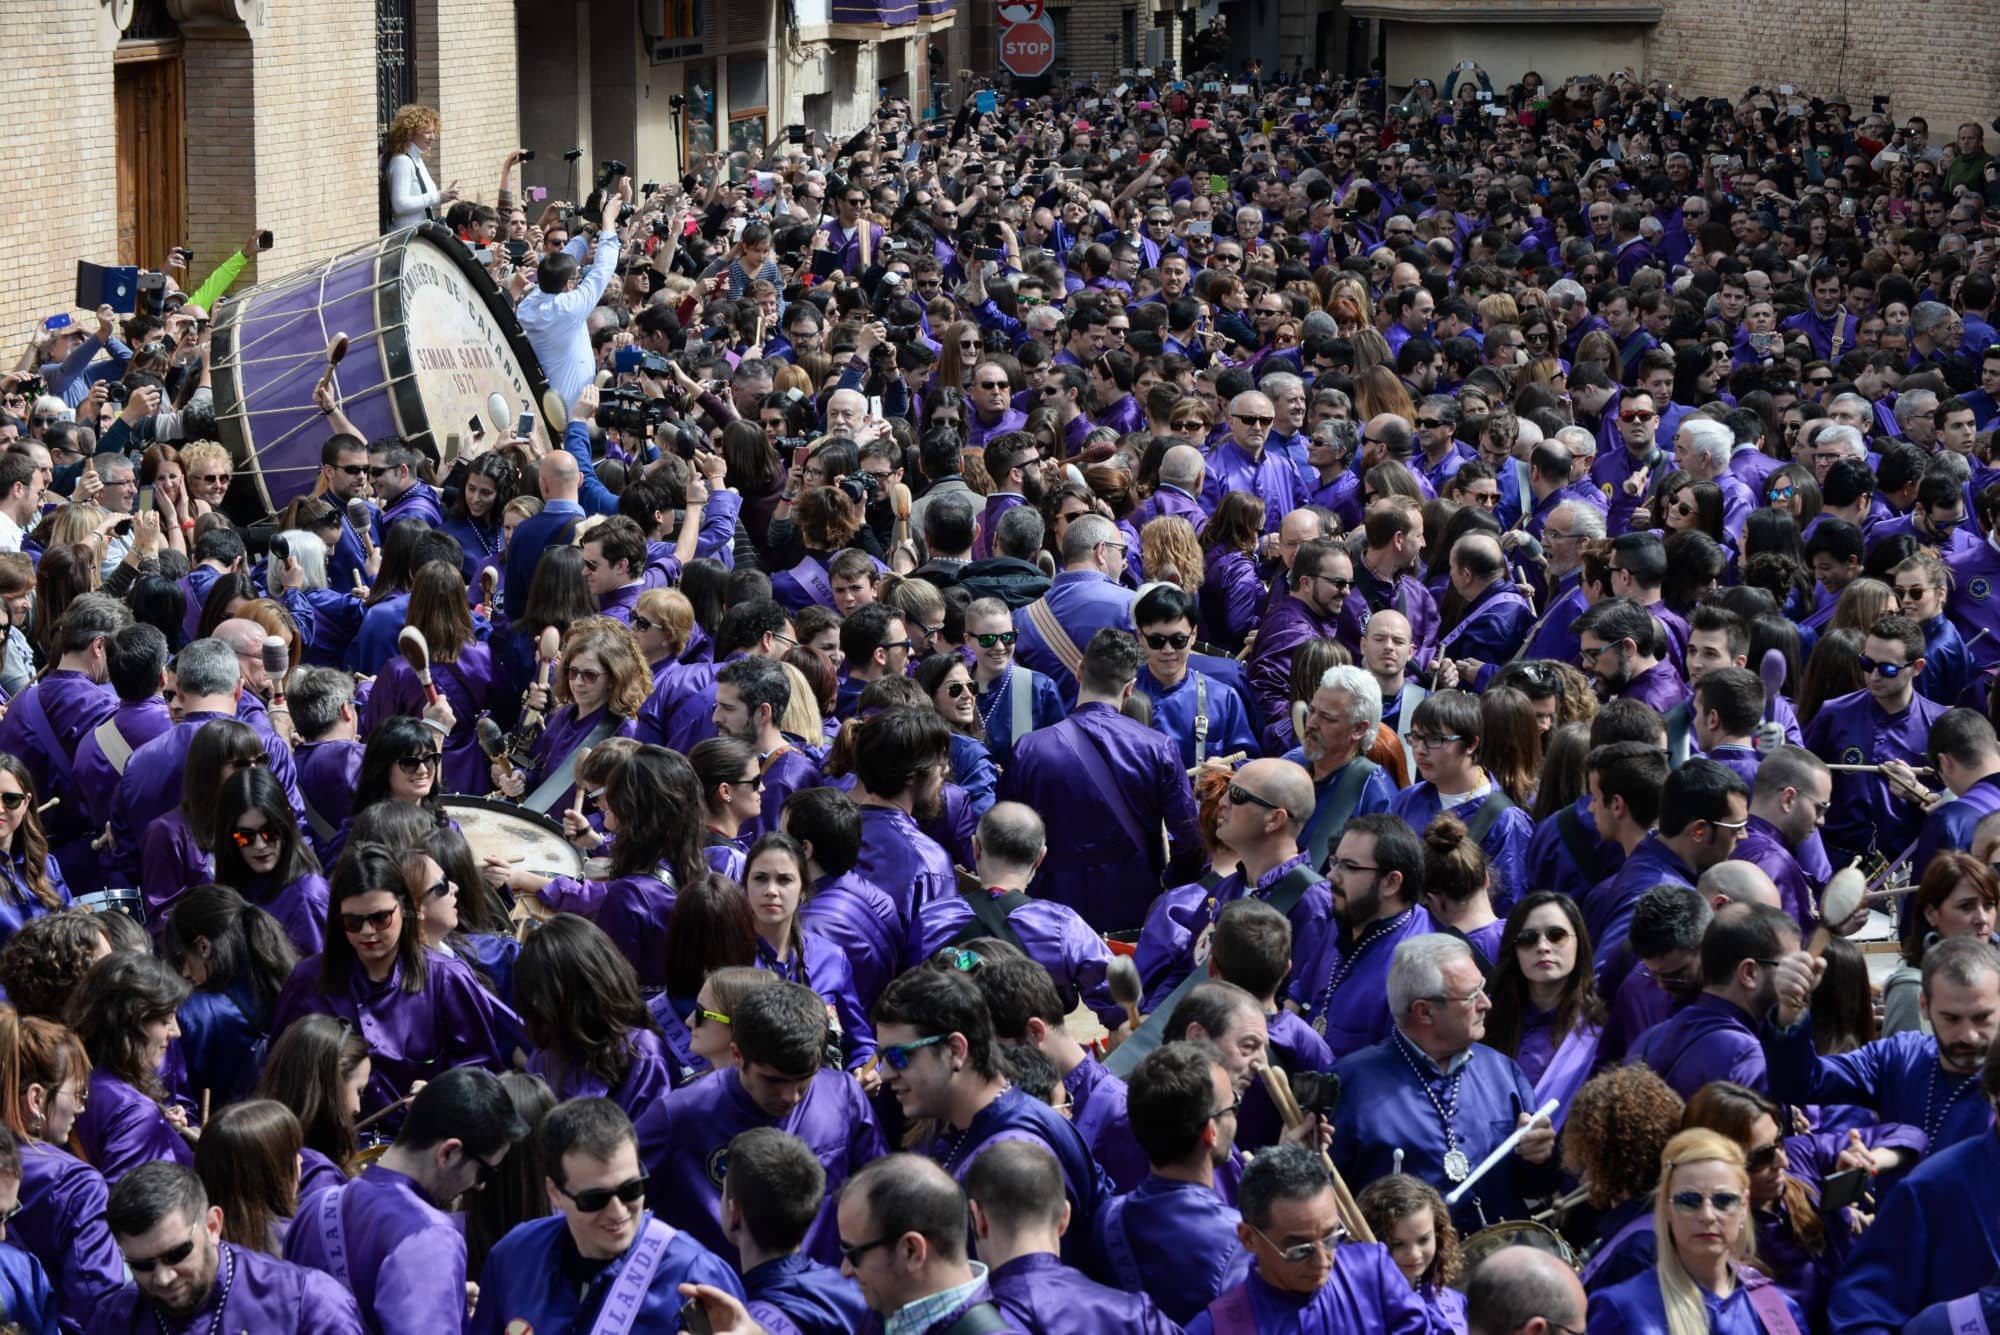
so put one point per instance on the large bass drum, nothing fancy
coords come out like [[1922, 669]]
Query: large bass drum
[[429, 338], [527, 839]]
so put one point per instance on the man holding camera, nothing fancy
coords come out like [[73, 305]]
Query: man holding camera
[[554, 315]]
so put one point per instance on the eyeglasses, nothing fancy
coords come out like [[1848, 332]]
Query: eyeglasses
[[993, 384], [1531, 937], [852, 1254], [1241, 796], [703, 1014], [957, 690], [172, 1257], [374, 470], [1725, 1202], [1304, 1251], [1762, 1157], [755, 781], [1450, 1000], [1734, 827], [267, 836], [1636, 415], [1780, 493], [896, 1056], [1192, 424], [1229, 1111], [352, 470], [1872, 665], [1420, 741], [353, 923], [596, 1198], [1429, 423], [987, 639], [418, 763]]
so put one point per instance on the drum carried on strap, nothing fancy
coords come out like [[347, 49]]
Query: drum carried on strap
[[494, 828], [429, 338]]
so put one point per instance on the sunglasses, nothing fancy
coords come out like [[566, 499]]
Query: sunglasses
[[588, 676], [1177, 640], [755, 781], [1725, 1202], [702, 1015], [353, 923], [896, 1056], [1192, 424], [640, 623], [438, 891], [267, 836], [596, 1198], [12, 801], [1241, 796], [172, 1256], [1762, 1157], [988, 639], [1635, 415], [1869, 665], [352, 470], [374, 470], [957, 690], [1428, 423], [1781, 493], [1251, 419], [1531, 937], [417, 764]]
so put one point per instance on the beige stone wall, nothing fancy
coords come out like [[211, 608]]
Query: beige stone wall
[[58, 143], [1941, 59], [466, 67]]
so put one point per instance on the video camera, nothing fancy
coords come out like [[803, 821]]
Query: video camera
[[608, 173], [629, 410]]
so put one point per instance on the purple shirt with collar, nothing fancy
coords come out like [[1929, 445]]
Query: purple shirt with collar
[[1851, 729], [1711, 1038], [404, 1257], [1269, 477], [1053, 934], [977, 432]]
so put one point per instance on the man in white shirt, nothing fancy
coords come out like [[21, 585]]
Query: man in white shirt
[[555, 314], [21, 485]]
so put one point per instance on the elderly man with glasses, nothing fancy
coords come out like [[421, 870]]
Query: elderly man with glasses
[[1241, 463]]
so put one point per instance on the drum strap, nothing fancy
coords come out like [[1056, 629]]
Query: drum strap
[[112, 742], [1043, 618], [564, 776], [1611, 1244], [1767, 1300], [1020, 703], [635, 1278], [1232, 1314], [1965, 1316], [1569, 828]]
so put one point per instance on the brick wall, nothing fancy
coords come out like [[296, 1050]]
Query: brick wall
[[59, 147], [466, 69], [1940, 58]]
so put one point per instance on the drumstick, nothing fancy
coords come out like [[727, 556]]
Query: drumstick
[[1871, 769], [582, 759], [335, 351], [489, 581], [1844, 892], [1501, 1151], [1279, 1086], [1233, 758], [377, 1116], [52, 802], [204, 1107], [1126, 988], [416, 651]]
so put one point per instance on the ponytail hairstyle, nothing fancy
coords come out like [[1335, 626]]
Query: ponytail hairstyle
[[31, 852], [1680, 1296], [246, 947]]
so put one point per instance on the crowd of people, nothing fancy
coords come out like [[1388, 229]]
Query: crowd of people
[[1265, 684]]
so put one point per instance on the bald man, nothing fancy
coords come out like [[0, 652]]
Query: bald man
[[1736, 882], [1241, 463], [560, 480], [1263, 831], [1524, 1291], [1493, 619], [1179, 493]]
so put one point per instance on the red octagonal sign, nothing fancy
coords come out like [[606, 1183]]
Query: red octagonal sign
[[1028, 49]]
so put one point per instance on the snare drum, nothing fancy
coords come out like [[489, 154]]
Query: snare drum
[[1514, 1233], [131, 903]]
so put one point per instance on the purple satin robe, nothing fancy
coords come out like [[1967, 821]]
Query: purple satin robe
[[1054, 936], [820, 965], [138, 722], [1180, 915], [1042, 1294], [329, 773], [646, 1079], [405, 1257], [785, 772], [682, 1139], [452, 1021], [1285, 626], [816, 1299], [1709, 1039], [902, 861], [632, 910], [1269, 477], [681, 709], [1345, 989], [120, 1128], [530, 1282], [1635, 1307], [1102, 875], [1851, 729], [865, 923], [1174, 1241], [300, 908], [1097, 1108], [1084, 602], [171, 861], [1505, 843], [564, 733], [1015, 1115], [252, 1291], [469, 684], [61, 1224], [1364, 1292]]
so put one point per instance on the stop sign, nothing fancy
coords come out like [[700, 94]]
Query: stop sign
[[1028, 49]]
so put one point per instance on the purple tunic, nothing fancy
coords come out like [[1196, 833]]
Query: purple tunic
[[534, 1280], [1097, 1107], [1549, 865], [1406, 595], [1231, 597], [68, 705], [1174, 1241], [1493, 628], [1169, 500], [317, 1173], [786, 771], [120, 1128], [1084, 602], [683, 1138], [1972, 606], [1113, 860], [138, 723], [1659, 686], [451, 1021], [815, 1298], [1897, 1077], [149, 789], [997, 504], [1607, 909], [564, 733], [1354, 973], [171, 861], [1364, 1292], [820, 965], [300, 908], [1711, 1038], [647, 1077], [902, 861], [18, 904], [1505, 842], [1041, 1294], [865, 923], [1866, 813], [632, 910], [1635, 1307], [1553, 636], [252, 1291], [1015, 1115], [1180, 915], [1763, 847], [329, 773], [61, 1224], [681, 709], [1269, 477], [468, 683], [1054, 936], [405, 1258], [1286, 625]]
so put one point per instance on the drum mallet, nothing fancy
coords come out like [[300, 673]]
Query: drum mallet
[[1771, 670], [1502, 1150], [48, 805], [416, 651], [277, 662], [1122, 977], [582, 797], [335, 352], [1279, 1086], [1837, 903]]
